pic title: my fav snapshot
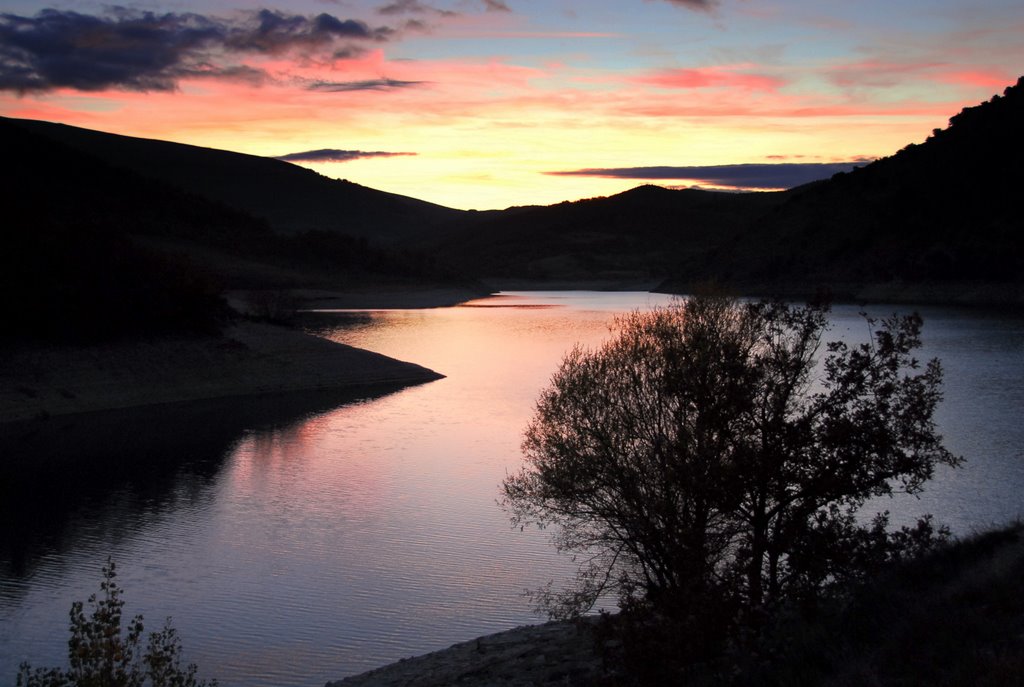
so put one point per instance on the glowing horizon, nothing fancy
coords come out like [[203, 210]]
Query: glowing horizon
[[484, 105]]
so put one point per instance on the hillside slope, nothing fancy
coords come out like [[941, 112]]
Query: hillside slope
[[942, 212], [92, 250], [290, 198], [636, 235]]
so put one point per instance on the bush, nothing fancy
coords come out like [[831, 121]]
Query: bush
[[103, 654]]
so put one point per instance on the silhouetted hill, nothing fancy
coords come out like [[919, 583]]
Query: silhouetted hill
[[90, 250], [939, 213], [71, 268], [641, 234], [290, 198], [942, 212]]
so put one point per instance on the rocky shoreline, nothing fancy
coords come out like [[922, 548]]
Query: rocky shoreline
[[555, 653]]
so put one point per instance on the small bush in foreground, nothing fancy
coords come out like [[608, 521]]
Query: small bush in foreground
[[103, 654]]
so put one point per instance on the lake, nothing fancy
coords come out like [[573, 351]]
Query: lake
[[299, 540]]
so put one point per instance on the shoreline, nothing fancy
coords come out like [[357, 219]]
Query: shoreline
[[557, 652], [385, 298], [248, 359], [943, 294]]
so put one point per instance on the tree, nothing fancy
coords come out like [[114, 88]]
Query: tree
[[101, 655], [702, 456]]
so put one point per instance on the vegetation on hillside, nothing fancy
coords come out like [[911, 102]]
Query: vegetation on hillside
[[941, 211], [951, 617]]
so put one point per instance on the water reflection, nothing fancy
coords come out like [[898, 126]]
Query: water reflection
[[298, 546], [64, 480]]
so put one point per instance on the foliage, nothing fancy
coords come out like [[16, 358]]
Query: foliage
[[896, 628], [701, 462], [931, 213], [102, 654]]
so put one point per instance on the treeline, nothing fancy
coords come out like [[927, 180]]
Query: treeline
[[941, 211]]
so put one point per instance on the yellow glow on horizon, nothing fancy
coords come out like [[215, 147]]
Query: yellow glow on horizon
[[485, 137]]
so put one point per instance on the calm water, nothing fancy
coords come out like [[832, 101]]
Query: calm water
[[296, 541]]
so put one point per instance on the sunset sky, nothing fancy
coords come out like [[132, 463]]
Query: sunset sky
[[491, 103]]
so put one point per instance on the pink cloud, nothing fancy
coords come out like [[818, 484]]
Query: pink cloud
[[711, 77], [995, 80], [738, 103], [893, 73]]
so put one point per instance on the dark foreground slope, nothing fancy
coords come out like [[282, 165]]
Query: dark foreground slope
[[944, 213], [954, 618], [71, 262]]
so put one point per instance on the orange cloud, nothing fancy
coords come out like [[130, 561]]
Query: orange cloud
[[711, 77]]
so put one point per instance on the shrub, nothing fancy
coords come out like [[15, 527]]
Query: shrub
[[102, 653]]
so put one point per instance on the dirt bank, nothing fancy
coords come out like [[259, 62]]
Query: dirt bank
[[556, 653], [249, 359]]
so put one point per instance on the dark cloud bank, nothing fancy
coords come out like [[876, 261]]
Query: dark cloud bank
[[781, 175], [368, 85], [147, 51], [413, 7], [335, 155], [705, 5]]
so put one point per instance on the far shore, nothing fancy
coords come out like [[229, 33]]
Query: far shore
[[385, 298], [252, 359], [966, 294], [39, 382]]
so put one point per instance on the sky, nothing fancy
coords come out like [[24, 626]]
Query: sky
[[486, 104]]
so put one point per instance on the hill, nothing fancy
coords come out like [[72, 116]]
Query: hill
[[291, 199], [943, 212], [93, 250], [936, 220], [639, 235]]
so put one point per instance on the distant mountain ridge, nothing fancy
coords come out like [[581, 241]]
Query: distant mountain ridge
[[93, 250], [943, 212], [635, 236], [290, 198]]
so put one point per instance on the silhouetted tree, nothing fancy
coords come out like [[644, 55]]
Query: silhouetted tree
[[701, 459]]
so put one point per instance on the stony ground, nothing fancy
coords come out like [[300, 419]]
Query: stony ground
[[556, 653]]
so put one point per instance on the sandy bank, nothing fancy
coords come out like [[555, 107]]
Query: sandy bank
[[557, 653], [249, 359]]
